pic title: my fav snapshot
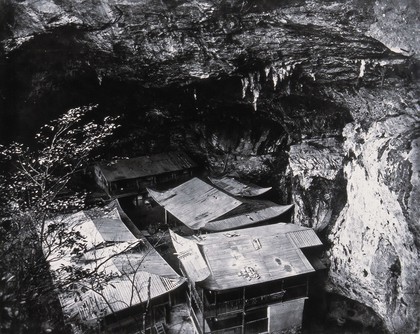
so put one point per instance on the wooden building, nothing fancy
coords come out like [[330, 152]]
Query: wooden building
[[253, 280], [127, 285], [201, 206], [131, 176]]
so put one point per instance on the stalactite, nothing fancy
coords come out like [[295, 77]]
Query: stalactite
[[281, 73], [267, 72], [245, 84], [274, 77], [256, 95], [362, 68], [99, 75], [252, 84]]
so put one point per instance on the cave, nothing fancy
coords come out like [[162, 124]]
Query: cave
[[318, 99]]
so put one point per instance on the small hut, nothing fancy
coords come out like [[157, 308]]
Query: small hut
[[131, 176]]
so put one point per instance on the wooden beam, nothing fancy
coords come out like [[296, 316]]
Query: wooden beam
[[243, 310]]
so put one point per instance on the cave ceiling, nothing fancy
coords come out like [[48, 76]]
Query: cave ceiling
[[211, 56]]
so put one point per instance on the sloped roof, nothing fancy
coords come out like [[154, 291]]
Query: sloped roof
[[301, 236], [118, 295], [250, 256], [190, 257], [304, 238], [82, 224], [146, 166], [199, 205], [258, 211], [113, 230], [195, 202], [238, 188], [133, 264]]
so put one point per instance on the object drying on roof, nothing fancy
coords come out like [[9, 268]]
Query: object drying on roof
[[270, 252], [253, 272]]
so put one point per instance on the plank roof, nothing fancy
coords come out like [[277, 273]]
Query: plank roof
[[238, 188], [301, 236], [145, 166], [245, 215], [251, 256], [132, 263], [195, 202], [304, 238], [117, 295], [113, 230], [190, 257], [200, 205]]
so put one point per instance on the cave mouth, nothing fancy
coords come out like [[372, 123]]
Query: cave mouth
[[307, 97], [224, 133]]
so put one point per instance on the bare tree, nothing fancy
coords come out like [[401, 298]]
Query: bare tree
[[33, 179]]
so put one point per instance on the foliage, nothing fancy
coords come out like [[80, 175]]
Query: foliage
[[34, 186]]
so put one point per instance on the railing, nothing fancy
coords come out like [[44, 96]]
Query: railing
[[196, 322], [230, 330], [232, 306], [257, 326], [272, 297], [197, 298], [129, 189], [220, 308]]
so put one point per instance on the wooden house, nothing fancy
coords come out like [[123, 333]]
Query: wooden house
[[253, 280], [203, 207], [131, 176], [127, 285]]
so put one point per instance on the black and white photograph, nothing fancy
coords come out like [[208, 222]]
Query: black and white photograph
[[209, 167]]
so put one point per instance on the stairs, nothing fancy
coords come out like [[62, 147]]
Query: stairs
[[159, 329]]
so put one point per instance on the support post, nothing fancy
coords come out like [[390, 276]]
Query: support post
[[307, 286], [203, 311], [243, 309]]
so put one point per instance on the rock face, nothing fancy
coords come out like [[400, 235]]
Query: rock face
[[375, 240], [372, 178], [299, 95], [317, 169]]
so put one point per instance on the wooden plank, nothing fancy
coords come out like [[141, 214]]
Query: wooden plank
[[195, 202], [253, 256], [238, 188], [146, 166], [251, 217], [190, 257]]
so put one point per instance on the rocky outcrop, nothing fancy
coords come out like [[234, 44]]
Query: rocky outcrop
[[375, 240], [319, 185], [375, 237]]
